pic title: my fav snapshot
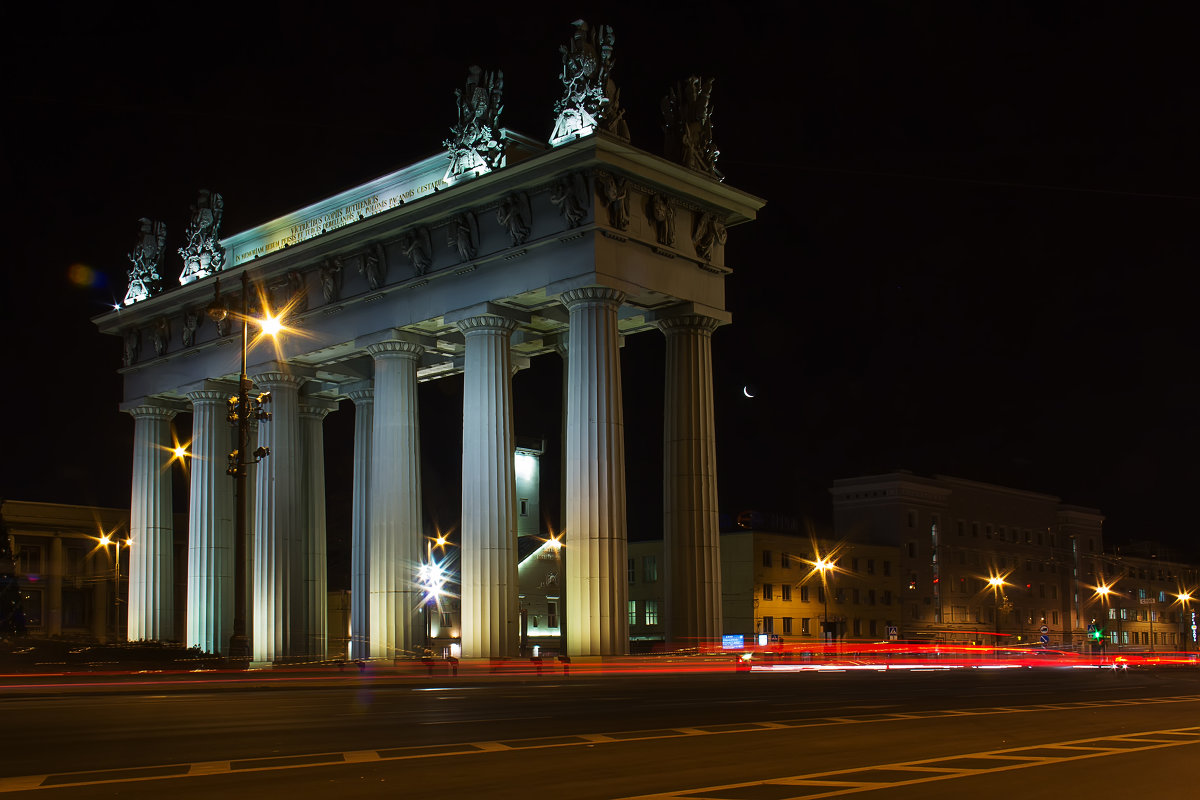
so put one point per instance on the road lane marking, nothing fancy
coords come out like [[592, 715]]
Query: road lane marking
[[910, 773], [1120, 743]]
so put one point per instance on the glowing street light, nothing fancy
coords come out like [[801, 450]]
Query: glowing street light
[[241, 410], [997, 583], [825, 566], [1184, 598], [105, 540]]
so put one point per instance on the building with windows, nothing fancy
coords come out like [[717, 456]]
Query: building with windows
[[72, 566], [978, 562]]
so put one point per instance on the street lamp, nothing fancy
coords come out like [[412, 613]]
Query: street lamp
[[1103, 591], [431, 577], [1184, 598], [241, 410], [105, 540], [997, 584], [825, 566]]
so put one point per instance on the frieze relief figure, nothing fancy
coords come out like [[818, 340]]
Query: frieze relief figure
[[221, 316], [514, 214], [708, 231], [463, 235], [297, 292], [133, 343], [203, 254], [662, 213], [417, 246], [615, 191], [144, 278], [589, 93], [191, 321], [570, 193], [374, 266], [687, 124], [331, 279], [476, 144], [162, 335]]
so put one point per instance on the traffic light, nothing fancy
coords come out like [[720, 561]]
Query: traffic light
[[1097, 634]]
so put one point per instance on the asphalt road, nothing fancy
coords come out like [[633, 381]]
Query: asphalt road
[[973, 733]]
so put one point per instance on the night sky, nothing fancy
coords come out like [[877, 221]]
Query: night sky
[[977, 256]]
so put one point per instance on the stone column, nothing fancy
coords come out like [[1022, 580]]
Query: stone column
[[278, 540], [314, 603], [488, 556], [209, 609], [597, 588], [363, 397], [691, 530], [394, 516], [150, 605]]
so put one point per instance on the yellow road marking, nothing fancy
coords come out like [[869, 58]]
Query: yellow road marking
[[264, 764]]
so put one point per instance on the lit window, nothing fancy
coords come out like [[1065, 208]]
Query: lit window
[[651, 612], [633, 612], [649, 569]]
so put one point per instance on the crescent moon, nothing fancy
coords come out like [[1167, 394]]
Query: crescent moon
[[746, 391]]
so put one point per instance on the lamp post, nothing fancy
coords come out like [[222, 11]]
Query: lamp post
[[997, 584], [825, 566], [241, 410], [1103, 591], [1184, 598], [432, 580], [105, 541]]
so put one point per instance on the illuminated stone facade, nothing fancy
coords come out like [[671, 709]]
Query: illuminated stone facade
[[405, 280]]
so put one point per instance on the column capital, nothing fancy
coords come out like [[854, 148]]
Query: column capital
[[317, 407], [396, 348], [486, 323], [591, 295], [272, 376], [688, 323], [361, 392], [209, 391], [150, 410]]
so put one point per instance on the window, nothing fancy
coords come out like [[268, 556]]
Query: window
[[871, 597], [959, 528], [975, 529], [839, 595], [854, 596], [552, 615], [887, 568], [803, 594], [912, 519], [820, 594], [787, 625], [785, 592], [870, 566], [767, 592], [633, 612], [805, 626], [766, 558], [632, 574], [524, 506], [911, 547], [887, 597], [854, 565], [857, 626], [768, 625], [29, 562], [649, 569], [785, 560], [651, 607], [874, 628]]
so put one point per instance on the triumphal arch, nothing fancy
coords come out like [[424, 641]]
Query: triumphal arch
[[497, 251]]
